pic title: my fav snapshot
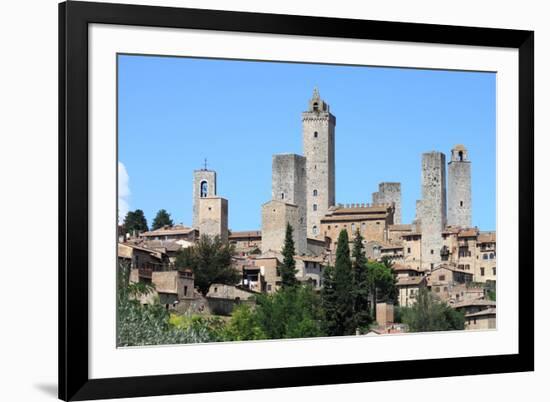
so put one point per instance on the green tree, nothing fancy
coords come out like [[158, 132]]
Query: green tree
[[339, 298], [430, 314], [361, 285], [139, 325], [210, 261], [135, 222], [162, 219], [382, 282], [244, 325], [292, 312], [288, 268]]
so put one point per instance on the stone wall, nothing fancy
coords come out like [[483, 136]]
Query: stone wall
[[213, 213], [275, 216]]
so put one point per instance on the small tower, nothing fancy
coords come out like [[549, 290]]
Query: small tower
[[213, 213], [389, 193], [204, 185], [459, 205], [318, 128]]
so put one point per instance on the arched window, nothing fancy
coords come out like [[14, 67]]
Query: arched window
[[282, 196], [315, 193], [460, 155], [314, 229], [204, 188], [315, 134], [315, 207], [491, 256], [315, 106]]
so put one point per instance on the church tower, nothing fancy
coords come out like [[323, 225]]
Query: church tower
[[204, 185], [318, 141], [459, 205]]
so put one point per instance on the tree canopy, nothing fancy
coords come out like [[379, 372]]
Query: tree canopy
[[210, 261], [430, 314], [162, 219], [135, 221]]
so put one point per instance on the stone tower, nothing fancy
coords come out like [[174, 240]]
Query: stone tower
[[459, 205], [433, 207], [318, 141], [288, 184], [213, 213], [275, 216], [389, 193], [204, 185]]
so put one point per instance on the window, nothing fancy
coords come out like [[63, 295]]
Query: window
[[494, 270], [460, 156], [467, 267], [282, 196], [316, 107], [315, 193], [315, 134], [431, 251], [491, 256], [441, 277], [353, 227], [215, 290], [328, 227], [485, 256], [482, 271], [204, 189], [408, 250], [461, 203], [269, 287], [185, 290], [315, 207], [314, 229]]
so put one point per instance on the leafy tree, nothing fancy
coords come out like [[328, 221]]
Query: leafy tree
[[292, 312], [135, 222], [382, 282], [361, 285], [288, 268], [338, 297], [139, 325], [430, 314], [244, 325], [210, 261], [162, 219]]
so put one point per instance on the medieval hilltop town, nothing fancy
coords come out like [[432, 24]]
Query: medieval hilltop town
[[439, 251]]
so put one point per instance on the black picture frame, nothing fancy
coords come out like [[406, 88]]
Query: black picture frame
[[74, 18]]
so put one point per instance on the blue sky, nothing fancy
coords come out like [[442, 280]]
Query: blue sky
[[174, 112]]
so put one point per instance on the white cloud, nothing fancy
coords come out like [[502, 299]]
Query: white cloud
[[123, 192]]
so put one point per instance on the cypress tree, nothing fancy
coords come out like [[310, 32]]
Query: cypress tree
[[361, 309], [343, 314], [288, 268]]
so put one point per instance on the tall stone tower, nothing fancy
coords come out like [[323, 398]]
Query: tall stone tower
[[318, 141], [459, 206], [433, 207], [204, 185], [389, 193], [288, 184]]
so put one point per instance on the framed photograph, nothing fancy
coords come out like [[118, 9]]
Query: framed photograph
[[258, 200]]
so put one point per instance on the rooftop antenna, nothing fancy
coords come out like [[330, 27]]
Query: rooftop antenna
[[205, 164]]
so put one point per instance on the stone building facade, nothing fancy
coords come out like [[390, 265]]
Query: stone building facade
[[213, 213], [288, 184], [459, 203], [318, 132], [433, 207], [389, 193], [275, 216], [204, 185]]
